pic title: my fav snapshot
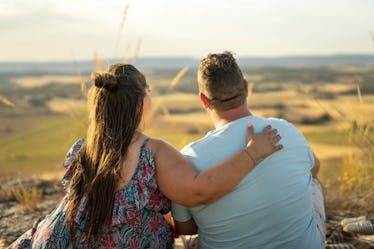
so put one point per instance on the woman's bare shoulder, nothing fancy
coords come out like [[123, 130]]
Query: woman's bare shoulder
[[155, 143], [158, 144]]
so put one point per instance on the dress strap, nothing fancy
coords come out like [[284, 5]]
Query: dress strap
[[146, 140]]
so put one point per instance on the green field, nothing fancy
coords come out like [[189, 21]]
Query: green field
[[38, 145]]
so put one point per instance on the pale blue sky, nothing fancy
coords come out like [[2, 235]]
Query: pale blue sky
[[73, 29]]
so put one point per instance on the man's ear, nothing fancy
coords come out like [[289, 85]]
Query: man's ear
[[204, 100], [246, 87]]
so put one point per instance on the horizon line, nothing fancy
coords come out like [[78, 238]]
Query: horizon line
[[192, 57]]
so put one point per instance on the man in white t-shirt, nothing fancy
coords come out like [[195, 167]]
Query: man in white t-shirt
[[279, 204]]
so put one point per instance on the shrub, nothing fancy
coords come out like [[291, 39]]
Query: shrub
[[27, 199]]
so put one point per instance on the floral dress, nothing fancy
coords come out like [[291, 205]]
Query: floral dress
[[137, 219]]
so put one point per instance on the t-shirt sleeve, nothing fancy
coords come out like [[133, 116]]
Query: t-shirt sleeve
[[180, 213]]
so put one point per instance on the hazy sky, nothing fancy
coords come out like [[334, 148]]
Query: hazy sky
[[73, 29]]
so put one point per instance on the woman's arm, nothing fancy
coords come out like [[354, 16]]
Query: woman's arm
[[179, 181]]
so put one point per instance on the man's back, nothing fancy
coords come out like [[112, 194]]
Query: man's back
[[271, 207]]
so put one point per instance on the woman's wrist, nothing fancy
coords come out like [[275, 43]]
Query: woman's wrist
[[250, 155]]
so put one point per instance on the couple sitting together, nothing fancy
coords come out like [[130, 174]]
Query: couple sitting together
[[250, 183]]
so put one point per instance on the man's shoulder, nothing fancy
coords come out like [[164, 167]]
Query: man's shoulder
[[272, 120], [281, 125], [200, 143], [236, 128]]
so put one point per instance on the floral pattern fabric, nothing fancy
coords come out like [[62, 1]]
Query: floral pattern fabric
[[137, 219]]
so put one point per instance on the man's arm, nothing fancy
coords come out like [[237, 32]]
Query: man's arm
[[187, 228], [316, 167]]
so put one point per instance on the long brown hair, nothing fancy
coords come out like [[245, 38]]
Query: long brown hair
[[116, 107]]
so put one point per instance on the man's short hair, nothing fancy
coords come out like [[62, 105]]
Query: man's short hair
[[221, 81]]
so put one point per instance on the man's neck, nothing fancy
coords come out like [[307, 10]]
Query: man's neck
[[221, 118]]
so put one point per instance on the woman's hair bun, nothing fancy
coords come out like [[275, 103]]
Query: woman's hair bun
[[105, 80]]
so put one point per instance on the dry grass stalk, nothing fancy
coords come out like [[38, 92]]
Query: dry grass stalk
[[82, 84], [127, 54], [124, 16], [6, 101], [178, 77], [137, 50], [173, 83], [359, 95], [99, 65], [165, 110], [121, 26], [28, 200]]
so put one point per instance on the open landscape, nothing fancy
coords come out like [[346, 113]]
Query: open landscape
[[332, 105]]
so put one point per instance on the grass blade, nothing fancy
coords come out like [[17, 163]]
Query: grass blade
[[99, 65], [6, 101], [359, 95], [82, 84], [127, 54], [137, 50], [121, 26], [178, 77]]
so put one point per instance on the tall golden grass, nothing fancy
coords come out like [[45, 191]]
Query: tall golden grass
[[356, 188], [353, 192], [6, 101]]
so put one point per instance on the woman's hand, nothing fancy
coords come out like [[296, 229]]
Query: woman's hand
[[262, 144]]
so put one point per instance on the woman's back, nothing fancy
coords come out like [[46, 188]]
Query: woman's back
[[137, 218]]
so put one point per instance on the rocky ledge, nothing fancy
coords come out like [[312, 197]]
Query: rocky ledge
[[14, 218]]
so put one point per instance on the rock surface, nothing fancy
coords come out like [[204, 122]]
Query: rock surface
[[14, 219]]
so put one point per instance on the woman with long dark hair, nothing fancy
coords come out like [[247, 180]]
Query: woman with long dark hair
[[119, 181]]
